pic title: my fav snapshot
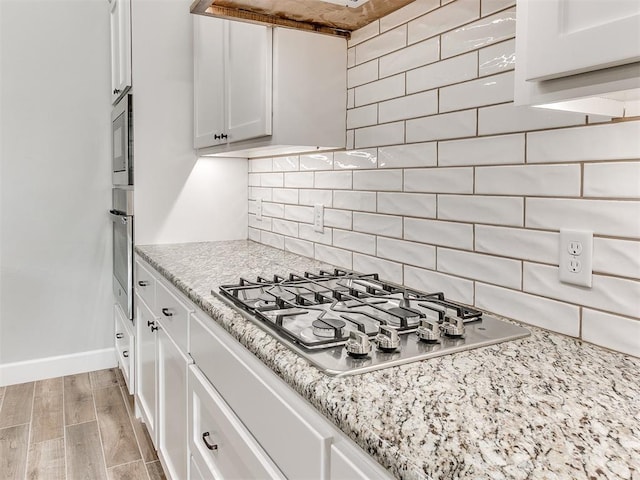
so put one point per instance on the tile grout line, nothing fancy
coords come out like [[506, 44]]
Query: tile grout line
[[64, 432], [124, 393], [95, 411], [26, 458]]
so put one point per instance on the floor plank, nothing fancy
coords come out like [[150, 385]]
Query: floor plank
[[129, 471], [78, 399], [13, 452], [51, 386], [16, 406], [104, 378], [1, 395], [118, 439], [155, 471], [48, 418], [84, 454], [46, 460], [147, 449]]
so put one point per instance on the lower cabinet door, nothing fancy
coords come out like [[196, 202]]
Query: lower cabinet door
[[146, 366], [219, 442]]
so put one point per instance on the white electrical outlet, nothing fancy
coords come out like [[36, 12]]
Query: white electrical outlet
[[576, 257], [318, 218], [258, 209]]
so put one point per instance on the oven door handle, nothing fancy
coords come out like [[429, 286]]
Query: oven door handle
[[116, 215]]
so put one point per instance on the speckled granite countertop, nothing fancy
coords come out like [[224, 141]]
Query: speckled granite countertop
[[544, 407]]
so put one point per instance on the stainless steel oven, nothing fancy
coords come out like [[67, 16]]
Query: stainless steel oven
[[122, 215], [122, 141]]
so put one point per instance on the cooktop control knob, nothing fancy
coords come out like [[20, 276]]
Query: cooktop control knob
[[453, 327], [428, 331], [358, 345], [387, 339]]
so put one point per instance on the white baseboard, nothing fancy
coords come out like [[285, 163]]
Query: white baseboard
[[51, 367]]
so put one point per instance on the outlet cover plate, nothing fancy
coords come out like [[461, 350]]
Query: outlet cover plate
[[576, 257], [259, 209], [318, 218]]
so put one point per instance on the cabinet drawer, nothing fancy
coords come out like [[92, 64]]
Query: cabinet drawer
[[124, 343], [262, 402], [173, 315], [145, 284], [220, 444]]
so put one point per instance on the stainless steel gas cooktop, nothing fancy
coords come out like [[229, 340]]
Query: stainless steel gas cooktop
[[347, 323]]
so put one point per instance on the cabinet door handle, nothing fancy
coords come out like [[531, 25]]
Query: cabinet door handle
[[150, 323], [154, 328], [205, 439], [143, 283], [166, 312], [125, 354], [119, 335], [116, 91]]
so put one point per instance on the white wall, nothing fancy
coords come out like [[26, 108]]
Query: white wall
[[450, 187], [55, 246]]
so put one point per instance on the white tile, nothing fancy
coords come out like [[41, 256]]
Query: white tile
[[273, 209], [387, 225], [489, 6], [519, 243], [616, 141], [298, 213], [362, 116], [284, 227], [350, 140], [285, 195], [301, 247], [410, 57], [254, 179], [508, 118], [412, 155], [446, 72], [437, 232], [351, 98], [362, 201], [479, 209], [335, 180], [312, 197], [616, 257], [286, 164], [483, 150], [368, 31], [380, 135], [272, 180], [259, 192], [316, 161], [261, 165], [338, 218], [487, 268], [500, 57], [334, 256], [390, 87], [439, 180], [272, 239], [454, 288], [611, 331], [483, 32], [359, 242], [477, 93], [607, 293], [387, 270], [410, 253], [406, 13], [412, 204], [306, 232], [363, 158], [363, 73], [386, 180], [409, 106], [541, 312], [440, 127], [298, 179], [254, 234], [351, 57], [443, 19], [603, 217], [538, 180], [619, 179], [262, 224], [384, 43]]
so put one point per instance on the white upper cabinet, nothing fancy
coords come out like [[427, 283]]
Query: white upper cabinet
[[120, 18], [579, 55], [261, 90]]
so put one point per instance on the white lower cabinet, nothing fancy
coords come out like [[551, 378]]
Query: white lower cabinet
[[125, 346], [146, 401]]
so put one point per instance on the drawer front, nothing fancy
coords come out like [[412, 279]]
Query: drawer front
[[145, 284], [124, 344], [173, 315], [263, 403], [218, 441]]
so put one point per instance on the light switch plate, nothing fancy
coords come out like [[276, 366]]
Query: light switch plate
[[576, 257]]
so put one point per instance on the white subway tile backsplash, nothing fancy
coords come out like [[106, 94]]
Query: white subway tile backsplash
[[406, 13], [284, 227], [437, 232], [272, 180], [273, 209], [301, 247], [476, 93], [306, 232], [619, 179], [486, 268], [439, 180], [380, 135], [262, 224], [607, 293], [535, 180], [482, 209], [338, 218], [362, 201], [387, 225], [335, 180], [443, 126], [254, 179], [501, 149], [334, 256], [409, 253], [443, 19], [261, 165], [362, 116], [254, 234], [508, 118], [384, 43], [298, 213], [386, 180], [616, 257], [286, 164], [298, 179], [413, 155], [351, 57], [363, 158], [363, 73], [489, 6], [390, 271], [455, 288], [360, 242], [531, 309], [350, 140], [390, 87], [603, 217], [614, 141], [351, 98], [259, 192], [285, 195], [486, 31], [500, 57], [365, 33], [409, 106], [272, 239], [313, 196], [316, 161], [518, 243], [447, 72], [611, 331], [411, 204], [411, 57]]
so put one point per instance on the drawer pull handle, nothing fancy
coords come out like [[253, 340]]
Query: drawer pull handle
[[119, 335], [205, 439], [143, 283], [125, 354], [150, 323], [166, 312], [153, 329]]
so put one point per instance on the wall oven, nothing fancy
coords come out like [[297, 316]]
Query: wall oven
[[122, 216], [122, 141]]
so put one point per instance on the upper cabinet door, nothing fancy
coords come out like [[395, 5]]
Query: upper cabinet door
[[120, 18], [567, 37], [248, 80]]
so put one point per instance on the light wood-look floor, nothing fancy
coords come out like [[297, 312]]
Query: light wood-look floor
[[75, 427]]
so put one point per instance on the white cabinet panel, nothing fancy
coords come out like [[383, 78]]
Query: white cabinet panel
[[125, 346], [146, 366], [174, 315], [120, 18]]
